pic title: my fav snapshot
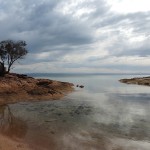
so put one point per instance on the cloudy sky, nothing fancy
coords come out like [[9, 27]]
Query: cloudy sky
[[79, 35]]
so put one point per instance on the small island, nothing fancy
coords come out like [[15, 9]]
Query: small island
[[139, 81]]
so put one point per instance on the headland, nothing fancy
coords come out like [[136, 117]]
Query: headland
[[139, 80], [19, 88]]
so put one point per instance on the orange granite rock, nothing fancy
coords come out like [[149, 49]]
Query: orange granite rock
[[17, 88]]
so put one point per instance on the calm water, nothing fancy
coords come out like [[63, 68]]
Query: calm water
[[105, 115]]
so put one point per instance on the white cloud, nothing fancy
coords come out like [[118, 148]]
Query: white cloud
[[129, 6], [43, 55]]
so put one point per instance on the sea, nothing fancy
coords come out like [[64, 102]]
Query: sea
[[104, 115]]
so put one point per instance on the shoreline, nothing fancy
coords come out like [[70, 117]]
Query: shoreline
[[22, 88], [145, 81]]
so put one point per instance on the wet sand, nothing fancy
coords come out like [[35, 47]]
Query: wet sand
[[9, 144], [82, 141]]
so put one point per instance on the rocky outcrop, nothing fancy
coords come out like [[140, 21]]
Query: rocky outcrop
[[140, 81], [19, 87], [80, 86]]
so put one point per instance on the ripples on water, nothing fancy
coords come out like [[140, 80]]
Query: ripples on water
[[105, 115]]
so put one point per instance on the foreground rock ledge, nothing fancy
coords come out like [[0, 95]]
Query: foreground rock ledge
[[18, 88], [140, 81]]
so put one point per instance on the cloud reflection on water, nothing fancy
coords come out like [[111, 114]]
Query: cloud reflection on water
[[102, 116]]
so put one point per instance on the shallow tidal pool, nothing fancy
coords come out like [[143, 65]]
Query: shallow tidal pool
[[105, 115]]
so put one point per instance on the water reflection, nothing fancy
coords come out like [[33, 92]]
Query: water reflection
[[103, 116], [10, 125], [54, 124], [96, 122]]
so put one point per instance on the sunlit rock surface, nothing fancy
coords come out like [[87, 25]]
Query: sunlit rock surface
[[16, 87]]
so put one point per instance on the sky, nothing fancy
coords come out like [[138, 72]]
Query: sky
[[79, 36]]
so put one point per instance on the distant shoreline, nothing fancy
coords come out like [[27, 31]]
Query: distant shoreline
[[139, 81], [19, 88], [72, 74]]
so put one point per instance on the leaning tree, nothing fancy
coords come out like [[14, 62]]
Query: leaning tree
[[11, 51]]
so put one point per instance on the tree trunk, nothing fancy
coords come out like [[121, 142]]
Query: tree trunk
[[8, 69], [9, 66], [2, 69]]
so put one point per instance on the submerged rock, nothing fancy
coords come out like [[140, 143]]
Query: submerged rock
[[81, 86], [19, 87]]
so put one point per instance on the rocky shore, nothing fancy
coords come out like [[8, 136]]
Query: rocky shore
[[140, 81], [19, 87]]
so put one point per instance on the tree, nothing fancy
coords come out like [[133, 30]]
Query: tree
[[11, 51]]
